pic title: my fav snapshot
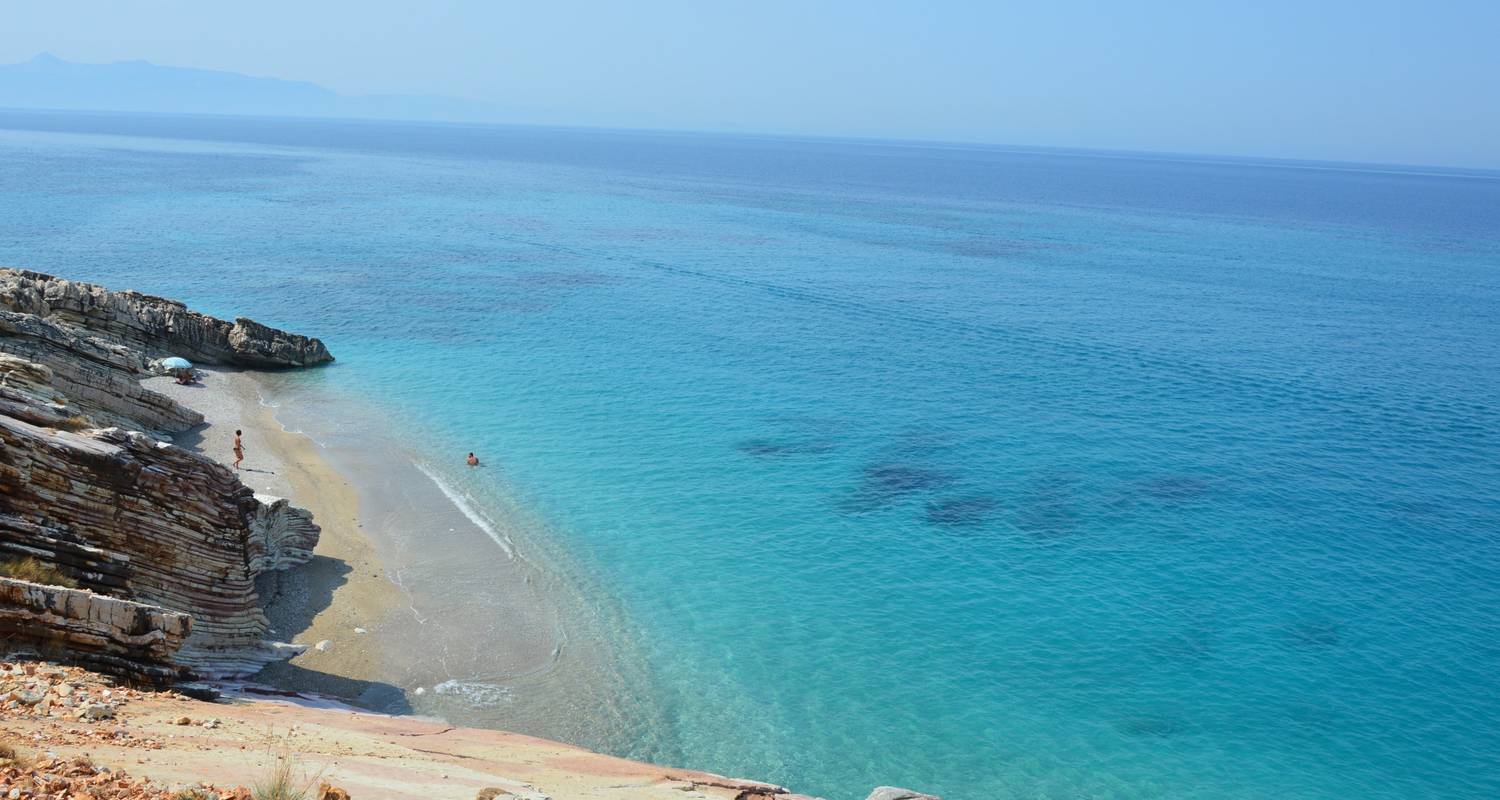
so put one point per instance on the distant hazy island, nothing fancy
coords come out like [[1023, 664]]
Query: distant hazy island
[[49, 82]]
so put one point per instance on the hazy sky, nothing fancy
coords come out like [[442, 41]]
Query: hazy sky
[[1374, 80]]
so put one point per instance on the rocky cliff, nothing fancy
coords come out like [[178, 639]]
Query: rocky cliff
[[90, 483], [104, 633], [154, 326], [165, 547]]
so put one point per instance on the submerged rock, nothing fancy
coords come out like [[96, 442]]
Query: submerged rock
[[961, 511], [775, 448], [887, 483], [903, 478], [1175, 488], [1049, 507]]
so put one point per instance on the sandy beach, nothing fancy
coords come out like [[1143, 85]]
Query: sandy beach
[[346, 573], [421, 604]]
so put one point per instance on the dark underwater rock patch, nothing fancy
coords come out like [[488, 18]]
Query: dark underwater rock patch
[[1048, 507], [1314, 633], [962, 511], [774, 448], [1412, 510], [1175, 488], [1193, 643], [894, 478], [793, 436], [888, 482], [1047, 521]]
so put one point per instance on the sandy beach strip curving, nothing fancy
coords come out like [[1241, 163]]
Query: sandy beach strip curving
[[346, 572], [427, 605]]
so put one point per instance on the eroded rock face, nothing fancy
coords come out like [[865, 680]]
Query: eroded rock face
[[99, 380], [124, 513], [108, 634], [282, 535], [155, 326], [181, 530]]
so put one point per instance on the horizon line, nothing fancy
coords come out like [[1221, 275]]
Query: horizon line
[[1206, 158]]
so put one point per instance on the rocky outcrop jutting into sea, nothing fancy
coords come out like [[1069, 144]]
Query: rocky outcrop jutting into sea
[[90, 484], [155, 326]]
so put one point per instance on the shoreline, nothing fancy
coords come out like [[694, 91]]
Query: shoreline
[[162, 570], [465, 618], [346, 568]]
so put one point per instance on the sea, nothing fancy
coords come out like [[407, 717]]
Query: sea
[[991, 472]]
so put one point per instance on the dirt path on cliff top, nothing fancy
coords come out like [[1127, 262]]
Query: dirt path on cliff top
[[176, 741]]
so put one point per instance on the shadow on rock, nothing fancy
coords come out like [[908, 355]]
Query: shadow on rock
[[291, 598]]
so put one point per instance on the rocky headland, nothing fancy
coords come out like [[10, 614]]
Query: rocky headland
[[162, 544]]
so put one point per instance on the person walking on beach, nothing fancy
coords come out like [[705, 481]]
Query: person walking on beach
[[239, 449], [473, 460]]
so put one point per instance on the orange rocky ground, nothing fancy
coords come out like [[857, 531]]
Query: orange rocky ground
[[78, 733]]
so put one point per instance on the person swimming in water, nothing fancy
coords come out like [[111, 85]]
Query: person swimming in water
[[473, 460], [239, 450]]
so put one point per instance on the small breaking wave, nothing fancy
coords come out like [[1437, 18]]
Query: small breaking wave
[[478, 695], [461, 502]]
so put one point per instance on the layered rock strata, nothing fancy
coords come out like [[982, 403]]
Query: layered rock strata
[[86, 380], [155, 326], [104, 633], [88, 484]]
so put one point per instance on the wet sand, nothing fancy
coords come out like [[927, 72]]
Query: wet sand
[[463, 617]]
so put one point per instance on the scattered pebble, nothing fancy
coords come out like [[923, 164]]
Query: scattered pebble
[[43, 775]]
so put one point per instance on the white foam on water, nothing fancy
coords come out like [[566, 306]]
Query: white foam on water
[[275, 407], [461, 502], [479, 695]]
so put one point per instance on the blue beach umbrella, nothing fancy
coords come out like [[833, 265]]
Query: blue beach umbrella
[[176, 363]]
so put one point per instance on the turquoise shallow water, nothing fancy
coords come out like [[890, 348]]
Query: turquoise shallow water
[[1000, 474]]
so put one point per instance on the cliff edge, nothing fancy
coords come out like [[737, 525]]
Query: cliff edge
[[133, 558], [91, 486]]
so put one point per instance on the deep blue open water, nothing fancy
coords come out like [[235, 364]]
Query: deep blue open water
[[994, 473]]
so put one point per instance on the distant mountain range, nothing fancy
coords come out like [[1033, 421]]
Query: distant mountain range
[[48, 82]]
